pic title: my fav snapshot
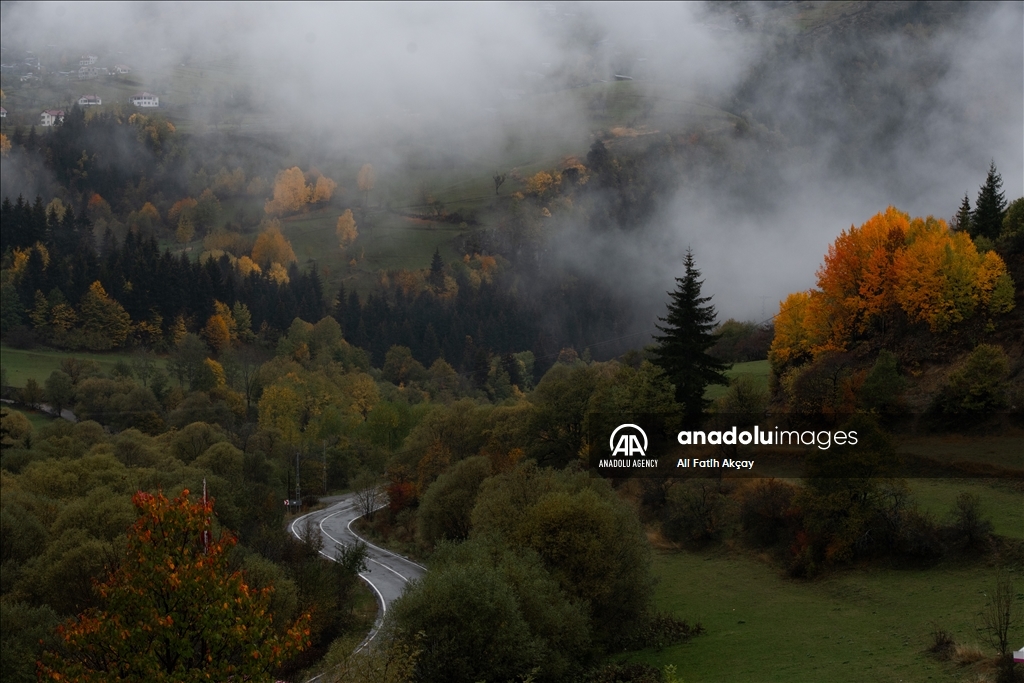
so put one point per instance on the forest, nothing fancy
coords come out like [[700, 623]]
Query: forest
[[211, 327]]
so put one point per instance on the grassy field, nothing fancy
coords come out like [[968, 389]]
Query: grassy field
[[36, 418], [1000, 501], [21, 365], [861, 625], [757, 370], [1002, 451]]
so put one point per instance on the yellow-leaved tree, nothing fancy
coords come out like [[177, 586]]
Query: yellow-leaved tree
[[105, 323], [323, 189], [290, 193], [272, 247], [346, 229]]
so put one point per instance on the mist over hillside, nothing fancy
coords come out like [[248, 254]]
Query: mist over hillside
[[817, 115]]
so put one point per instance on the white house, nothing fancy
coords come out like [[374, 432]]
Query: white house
[[3, 113], [122, 69], [87, 60], [89, 101], [144, 99], [51, 117]]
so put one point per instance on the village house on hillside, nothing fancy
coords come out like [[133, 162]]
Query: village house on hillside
[[144, 99], [87, 60], [122, 69], [89, 101], [3, 113], [51, 117]]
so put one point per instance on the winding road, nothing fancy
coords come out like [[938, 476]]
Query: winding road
[[387, 573]]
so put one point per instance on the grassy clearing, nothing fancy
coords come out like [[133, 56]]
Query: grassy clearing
[[22, 365], [386, 241], [1002, 451], [861, 625], [36, 418], [1000, 501], [757, 370]]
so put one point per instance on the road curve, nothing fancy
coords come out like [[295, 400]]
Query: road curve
[[387, 573]]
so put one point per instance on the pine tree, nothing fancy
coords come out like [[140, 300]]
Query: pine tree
[[962, 219], [436, 277], [987, 219], [681, 349]]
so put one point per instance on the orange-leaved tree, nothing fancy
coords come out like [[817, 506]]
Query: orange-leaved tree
[[892, 268], [173, 610], [272, 247]]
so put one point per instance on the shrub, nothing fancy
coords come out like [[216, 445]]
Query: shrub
[[883, 386], [970, 531], [967, 654], [978, 386], [763, 511], [618, 672], [660, 631], [695, 512], [943, 644]]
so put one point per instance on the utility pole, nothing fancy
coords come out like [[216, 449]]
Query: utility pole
[[298, 491], [325, 467]]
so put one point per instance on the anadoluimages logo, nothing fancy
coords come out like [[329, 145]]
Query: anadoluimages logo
[[628, 442]]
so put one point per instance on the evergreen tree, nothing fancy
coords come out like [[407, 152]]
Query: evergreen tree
[[681, 349], [987, 219], [962, 219], [437, 271]]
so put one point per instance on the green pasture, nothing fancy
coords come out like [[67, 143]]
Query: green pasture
[[861, 625], [1001, 502], [36, 364], [1001, 451], [758, 370], [386, 241], [36, 418]]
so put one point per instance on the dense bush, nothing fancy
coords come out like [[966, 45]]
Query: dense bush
[[696, 512], [765, 511]]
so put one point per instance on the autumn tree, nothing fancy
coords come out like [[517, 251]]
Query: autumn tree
[[681, 349], [366, 180], [346, 229], [178, 209], [290, 192], [173, 610], [890, 269], [104, 321], [186, 229], [272, 247], [217, 332], [322, 190]]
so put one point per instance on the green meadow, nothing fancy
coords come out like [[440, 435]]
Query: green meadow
[[864, 625], [21, 365]]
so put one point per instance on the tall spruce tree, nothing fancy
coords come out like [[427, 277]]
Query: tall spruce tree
[[990, 208], [962, 219], [681, 349], [436, 276]]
